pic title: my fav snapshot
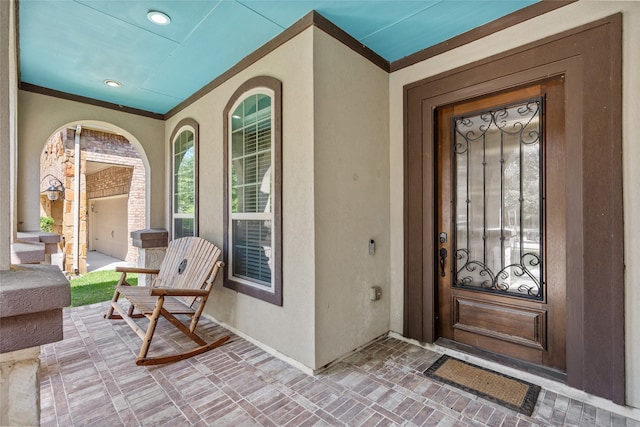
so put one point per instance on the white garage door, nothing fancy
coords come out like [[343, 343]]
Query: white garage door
[[110, 234]]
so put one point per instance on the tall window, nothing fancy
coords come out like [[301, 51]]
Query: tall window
[[253, 187], [184, 201]]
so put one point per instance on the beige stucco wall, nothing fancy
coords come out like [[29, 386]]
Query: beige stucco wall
[[565, 18], [351, 171], [288, 329], [335, 198], [39, 116]]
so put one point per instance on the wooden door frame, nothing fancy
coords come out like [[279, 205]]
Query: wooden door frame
[[595, 272]]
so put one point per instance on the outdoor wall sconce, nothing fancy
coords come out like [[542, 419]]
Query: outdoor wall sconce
[[55, 188]]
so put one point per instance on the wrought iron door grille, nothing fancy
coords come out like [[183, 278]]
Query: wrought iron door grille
[[497, 177]]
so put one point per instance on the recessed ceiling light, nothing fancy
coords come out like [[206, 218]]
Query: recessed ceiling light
[[112, 83], [158, 17]]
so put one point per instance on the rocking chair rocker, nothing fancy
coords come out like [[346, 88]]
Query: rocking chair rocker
[[186, 275]]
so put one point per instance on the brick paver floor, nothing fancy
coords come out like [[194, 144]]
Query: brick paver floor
[[90, 379]]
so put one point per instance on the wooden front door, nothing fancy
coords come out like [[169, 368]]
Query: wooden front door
[[500, 250]]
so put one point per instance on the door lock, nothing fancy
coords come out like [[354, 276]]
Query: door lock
[[443, 256]]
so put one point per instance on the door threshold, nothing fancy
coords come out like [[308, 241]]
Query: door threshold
[[521, 365]]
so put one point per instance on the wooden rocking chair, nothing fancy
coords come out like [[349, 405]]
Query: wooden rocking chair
[[186, 275]]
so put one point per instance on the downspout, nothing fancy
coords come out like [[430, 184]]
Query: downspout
[[76, 200]]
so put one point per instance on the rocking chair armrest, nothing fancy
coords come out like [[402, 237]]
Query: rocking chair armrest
[[178, 292], [137, 270]]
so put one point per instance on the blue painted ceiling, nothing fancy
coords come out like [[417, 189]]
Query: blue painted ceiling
[[72, 46]]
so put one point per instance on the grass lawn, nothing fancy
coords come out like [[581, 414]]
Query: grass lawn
[[96, 286]]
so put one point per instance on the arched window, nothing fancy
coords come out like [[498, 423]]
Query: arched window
[[253, 219], [184, 182]]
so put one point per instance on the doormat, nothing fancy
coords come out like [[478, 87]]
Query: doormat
[[510, 392]]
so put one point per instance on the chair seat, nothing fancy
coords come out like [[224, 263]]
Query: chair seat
[[145, 303]]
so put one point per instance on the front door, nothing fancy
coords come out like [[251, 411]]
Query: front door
[[500, 247]]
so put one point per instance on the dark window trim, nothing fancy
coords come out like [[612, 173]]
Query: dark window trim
[[595, 286], [191, 123], [275, 85]]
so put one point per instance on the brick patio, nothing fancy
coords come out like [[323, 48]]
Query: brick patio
[[90, 379]]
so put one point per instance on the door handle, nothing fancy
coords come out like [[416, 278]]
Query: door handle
[[443, 256]]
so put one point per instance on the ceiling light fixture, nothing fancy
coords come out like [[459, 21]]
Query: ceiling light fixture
[[112, 83], [158, 17]]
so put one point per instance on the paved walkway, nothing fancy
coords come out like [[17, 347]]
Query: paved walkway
[[90, 379], [97, 261]]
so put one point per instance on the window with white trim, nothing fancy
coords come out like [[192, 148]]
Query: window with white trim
[[184, 205], [252, 209]]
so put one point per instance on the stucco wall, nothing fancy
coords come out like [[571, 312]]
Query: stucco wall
[[7, 127], [290, 328], [565, 18], [351, 171], [39, 116]]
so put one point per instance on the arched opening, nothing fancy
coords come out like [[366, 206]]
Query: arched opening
[[96, 213]]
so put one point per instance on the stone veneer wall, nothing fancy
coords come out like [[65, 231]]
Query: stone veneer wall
[[58, 160], [126, 176], [51, 161]]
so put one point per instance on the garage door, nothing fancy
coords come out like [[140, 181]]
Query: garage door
[[110, 234]]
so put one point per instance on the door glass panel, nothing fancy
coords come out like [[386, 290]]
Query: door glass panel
[[497, 206]]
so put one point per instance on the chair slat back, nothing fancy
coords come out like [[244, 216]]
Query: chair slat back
[[188, 264]]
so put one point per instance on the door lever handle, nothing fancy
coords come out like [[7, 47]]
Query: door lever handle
[[443, 256]]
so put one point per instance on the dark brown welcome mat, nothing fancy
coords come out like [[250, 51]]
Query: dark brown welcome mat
[[515, 394]]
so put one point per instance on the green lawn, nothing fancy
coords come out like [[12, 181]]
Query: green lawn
[[96, 286]]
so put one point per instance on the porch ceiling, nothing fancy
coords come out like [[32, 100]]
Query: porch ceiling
[[73, 46]]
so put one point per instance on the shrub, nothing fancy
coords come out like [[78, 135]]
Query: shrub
[[46, 224]]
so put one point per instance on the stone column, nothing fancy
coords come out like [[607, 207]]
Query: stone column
[[20, 387], [152, 245], [31, 302]]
